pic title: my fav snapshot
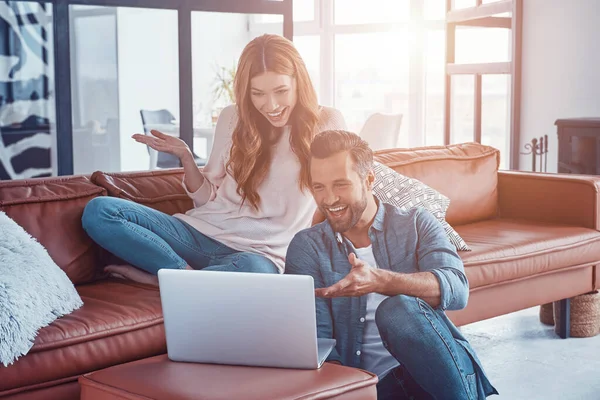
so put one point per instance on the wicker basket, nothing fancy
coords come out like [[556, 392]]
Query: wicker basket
[[585, 315], [547, 314]]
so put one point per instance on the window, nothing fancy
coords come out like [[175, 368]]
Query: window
[[435, 43], [389, 56], [379, 56], [495, 114], [434, 9], [463, 109], [372, 74], [482, 45], [125, 80], [217, 41], [70, 101], [348, 12], [116, 75], [304, 10], [309, 46], [458, 4]]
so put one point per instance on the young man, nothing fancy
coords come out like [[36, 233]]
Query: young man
[[384, 278]]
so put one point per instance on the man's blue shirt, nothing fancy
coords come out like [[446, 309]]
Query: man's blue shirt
[[404, 242]]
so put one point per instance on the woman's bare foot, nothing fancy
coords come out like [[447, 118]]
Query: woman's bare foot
[[132, 273]]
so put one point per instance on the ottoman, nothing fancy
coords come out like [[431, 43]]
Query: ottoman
[[161, 379]]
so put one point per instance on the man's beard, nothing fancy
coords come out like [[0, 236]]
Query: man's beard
[[353, 214]]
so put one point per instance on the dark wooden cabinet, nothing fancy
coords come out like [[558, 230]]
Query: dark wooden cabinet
[[579, 146]]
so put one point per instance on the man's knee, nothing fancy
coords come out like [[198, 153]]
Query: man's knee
[[394, 315]]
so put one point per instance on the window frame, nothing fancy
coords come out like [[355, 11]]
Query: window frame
[[62, 56]]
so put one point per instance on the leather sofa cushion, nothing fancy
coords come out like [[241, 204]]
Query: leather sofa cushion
[[50, 210], [161, 189], [506, 250], [466, 173], [119, 322], [160, 379]]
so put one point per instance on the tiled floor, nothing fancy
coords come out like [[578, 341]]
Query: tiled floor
[[525, 359]]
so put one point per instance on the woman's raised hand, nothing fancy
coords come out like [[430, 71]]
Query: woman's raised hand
[[162, 142]]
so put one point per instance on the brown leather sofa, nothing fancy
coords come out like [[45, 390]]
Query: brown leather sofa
[[534, 238]]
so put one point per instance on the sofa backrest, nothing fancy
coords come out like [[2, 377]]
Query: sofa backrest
[[50, 210], [466, 173], [160, 189]]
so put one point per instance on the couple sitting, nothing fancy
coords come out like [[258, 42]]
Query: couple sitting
[[384, 277]]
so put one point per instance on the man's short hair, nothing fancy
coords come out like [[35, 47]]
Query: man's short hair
[[328, 143]]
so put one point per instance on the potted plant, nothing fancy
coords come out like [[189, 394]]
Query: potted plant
[[223, 94]]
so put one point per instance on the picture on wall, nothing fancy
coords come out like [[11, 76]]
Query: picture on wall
[[26, 74]]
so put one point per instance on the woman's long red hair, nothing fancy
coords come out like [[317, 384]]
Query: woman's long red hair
[[250, 156]]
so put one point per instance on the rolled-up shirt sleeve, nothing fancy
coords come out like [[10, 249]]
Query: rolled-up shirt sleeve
[[436, 254]]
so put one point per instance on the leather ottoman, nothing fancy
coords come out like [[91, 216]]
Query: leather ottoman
[[158, 378]]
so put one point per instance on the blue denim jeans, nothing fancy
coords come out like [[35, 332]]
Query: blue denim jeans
[[151, 240], [398, 384], [433, 364]]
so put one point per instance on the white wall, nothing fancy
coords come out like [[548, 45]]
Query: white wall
[[561, 68]]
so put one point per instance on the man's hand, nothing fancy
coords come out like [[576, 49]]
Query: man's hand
[[361, 280]]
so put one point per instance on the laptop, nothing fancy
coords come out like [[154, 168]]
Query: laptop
[[239, 318]]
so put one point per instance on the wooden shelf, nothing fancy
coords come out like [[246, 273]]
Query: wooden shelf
[[475, 69], [480, 12]]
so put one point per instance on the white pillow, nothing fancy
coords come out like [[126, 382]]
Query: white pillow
[[406, 193], [34, 291]]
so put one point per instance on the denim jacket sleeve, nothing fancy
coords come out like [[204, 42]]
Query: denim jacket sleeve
[[302, 259], [436, 254]]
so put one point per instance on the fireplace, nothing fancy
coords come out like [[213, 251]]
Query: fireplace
[[579, 146]]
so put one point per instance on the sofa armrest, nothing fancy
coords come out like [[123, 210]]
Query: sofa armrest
[[555, 198]]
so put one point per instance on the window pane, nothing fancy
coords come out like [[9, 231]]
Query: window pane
[[373, 11], [371, 75], [119, 68], [217, 42], [309, 48], [482, 45], [304, 10], [495, 115], [434, 87], [462, 4], [85, 8], [462, 108], [435, 9]]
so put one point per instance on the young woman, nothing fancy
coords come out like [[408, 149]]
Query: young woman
[[253, 194]]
